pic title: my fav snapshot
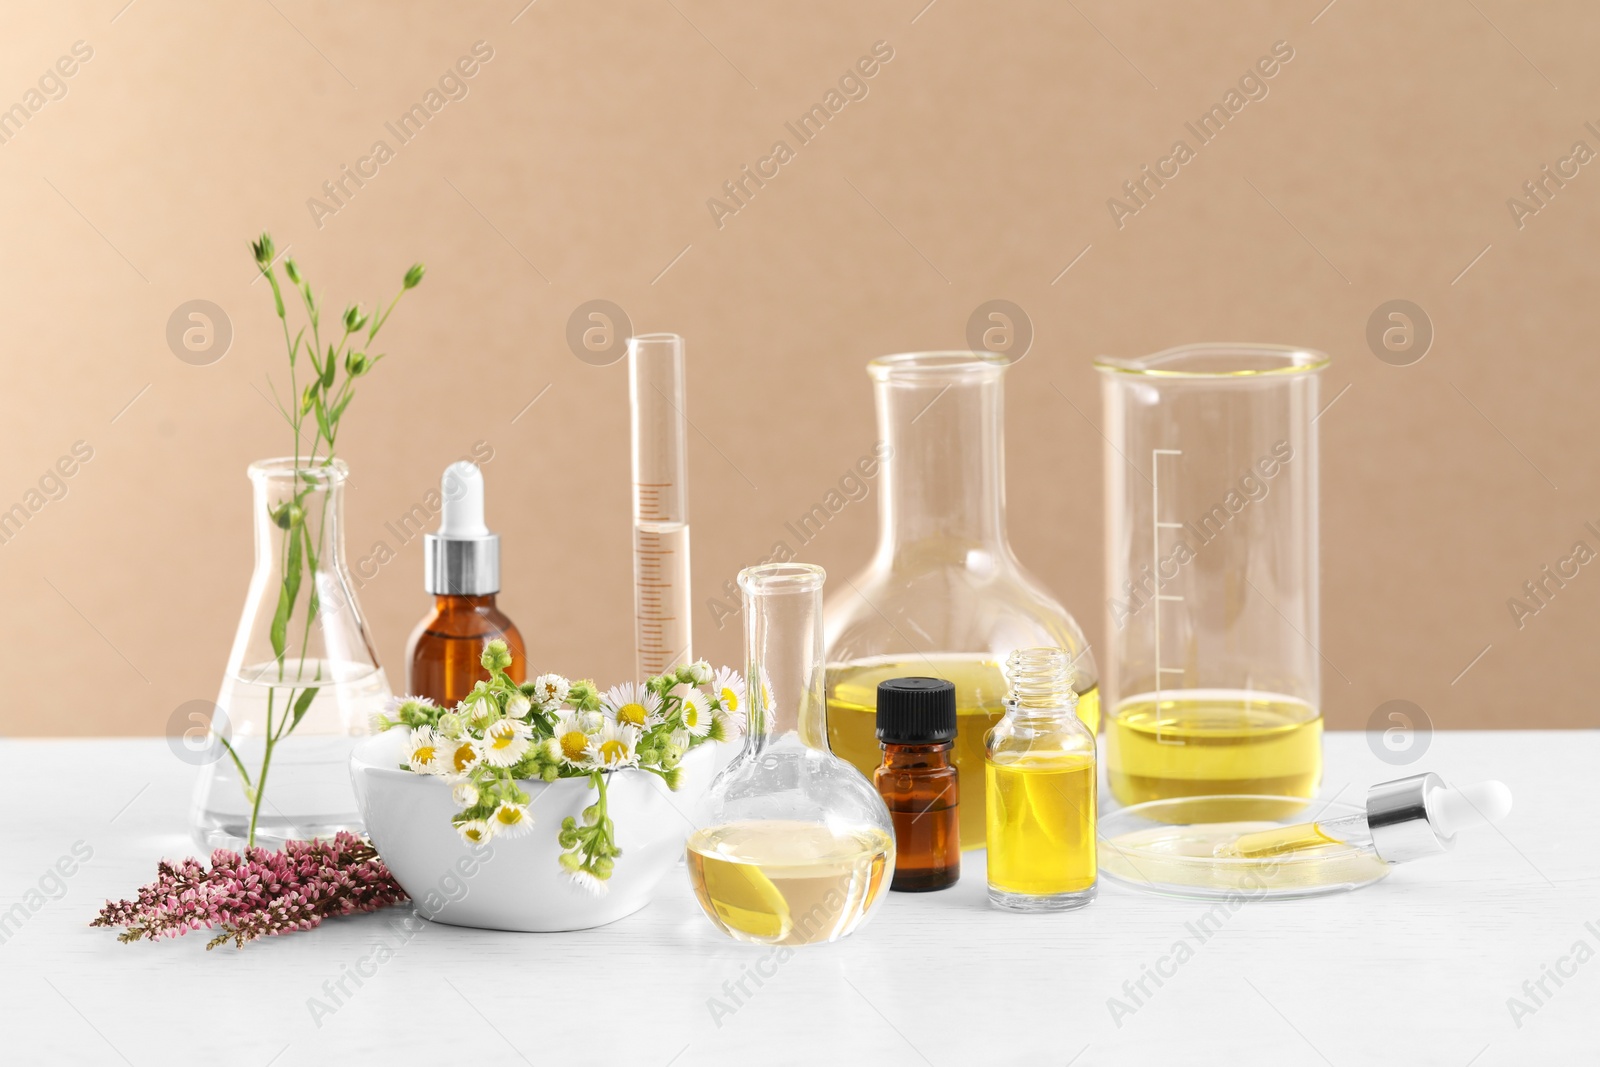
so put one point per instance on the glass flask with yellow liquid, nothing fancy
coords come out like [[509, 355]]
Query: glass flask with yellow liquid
[[944, 596], [1213, 679], [792, 846]]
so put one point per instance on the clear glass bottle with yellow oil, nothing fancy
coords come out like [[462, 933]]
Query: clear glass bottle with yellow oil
[[792, 846], [1039, 775], [1211, 651], [944, 595]]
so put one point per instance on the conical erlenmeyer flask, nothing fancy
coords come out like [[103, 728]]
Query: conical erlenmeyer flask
[[794, 845], [302, 683], [944, 595]]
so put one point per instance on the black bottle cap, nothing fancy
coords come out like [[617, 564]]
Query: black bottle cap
[[916, 711]]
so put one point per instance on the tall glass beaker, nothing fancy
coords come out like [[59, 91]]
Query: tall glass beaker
[[1213, 680], [793, 846], [944, 596]]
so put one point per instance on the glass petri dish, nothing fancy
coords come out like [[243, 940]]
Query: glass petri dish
[[1169, 847]]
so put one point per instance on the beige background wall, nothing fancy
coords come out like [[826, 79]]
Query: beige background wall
[[979, 165]]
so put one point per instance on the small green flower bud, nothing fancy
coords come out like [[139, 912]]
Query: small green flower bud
[[292, 271], [496, 656], [353, 318], [264, 251], [414, 275], [308, 398], [287, 515], [356, 364], [584, 696]]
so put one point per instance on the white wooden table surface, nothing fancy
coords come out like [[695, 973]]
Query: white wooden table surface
[[1416, 970]]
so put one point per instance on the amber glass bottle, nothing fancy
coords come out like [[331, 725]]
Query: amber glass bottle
[[916, 726], [447, 646], [462, 571]]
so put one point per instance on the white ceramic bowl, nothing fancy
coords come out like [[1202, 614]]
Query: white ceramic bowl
[[517, 883]]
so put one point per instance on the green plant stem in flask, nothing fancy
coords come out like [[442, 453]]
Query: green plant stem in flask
[[944, 595], [792, 845]]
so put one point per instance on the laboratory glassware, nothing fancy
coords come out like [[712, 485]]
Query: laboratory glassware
[[918, 781], [1039, 774], [944, 595], [1405, 819], [792, 845], [461, 571], [1224, 847], [662, 634], [302, 681], [1213, 669]]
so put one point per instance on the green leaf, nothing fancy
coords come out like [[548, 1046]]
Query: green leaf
[[287, 593], [301, 705], [322, 417], [328, 367]]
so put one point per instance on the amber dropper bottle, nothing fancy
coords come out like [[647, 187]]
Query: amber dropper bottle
[[916, 730], [461, 568]]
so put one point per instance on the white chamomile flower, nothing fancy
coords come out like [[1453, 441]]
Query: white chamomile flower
[[553, 689], [695, 713], [587, 882], [480, 711], [615, 744], [423, 752], [458, 756], [505, 742], [573, 742], [474, 831], [633, 705], [465, 794], [518, 705], [728, 689], [511, 820], [700, 672]]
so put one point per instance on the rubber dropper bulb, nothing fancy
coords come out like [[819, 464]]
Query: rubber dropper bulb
[[1452, 810], [462, 512]]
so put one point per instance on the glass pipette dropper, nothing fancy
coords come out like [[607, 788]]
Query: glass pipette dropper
[[662, 633], [1404, 820]]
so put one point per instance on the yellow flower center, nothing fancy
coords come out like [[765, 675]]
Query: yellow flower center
[[501, 737], [473, 833], [691, 714], [508, 816], [463, 757], [613, 751], [632, 714], [424, 754], [574, 743], [730, 699]]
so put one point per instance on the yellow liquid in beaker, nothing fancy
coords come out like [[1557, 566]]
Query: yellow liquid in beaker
[[1204, 742], [782, 882], [980, 687], [1041, 823]]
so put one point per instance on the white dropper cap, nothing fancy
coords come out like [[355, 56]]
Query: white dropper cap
[[1452, 810], [462, 513], [463, 558], [1421, 815]]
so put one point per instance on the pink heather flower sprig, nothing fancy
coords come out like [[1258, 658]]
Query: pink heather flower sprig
[[261, 894]]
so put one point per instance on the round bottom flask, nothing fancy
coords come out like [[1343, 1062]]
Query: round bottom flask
[[793, 845]]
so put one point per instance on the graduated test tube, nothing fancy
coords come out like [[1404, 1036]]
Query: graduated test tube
[[662, 638]]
